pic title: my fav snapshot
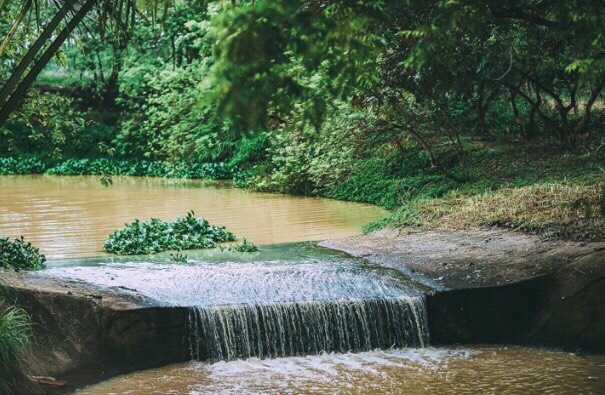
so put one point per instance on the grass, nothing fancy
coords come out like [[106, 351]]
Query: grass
[[562, 210], [536, 189], [15, 333]]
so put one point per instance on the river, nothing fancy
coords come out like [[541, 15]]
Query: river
[[291, 319]]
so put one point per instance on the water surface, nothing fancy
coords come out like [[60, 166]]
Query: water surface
[[469, 370], [70, 216]]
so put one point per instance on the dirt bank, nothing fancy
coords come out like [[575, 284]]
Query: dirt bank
[[498, 286]]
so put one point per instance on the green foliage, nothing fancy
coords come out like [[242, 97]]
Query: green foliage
[[9, 165], [154, 235], [244, 246], [20, 255], [15, 334], [45, 124], [250, 151], [107, 166], [386, 102]]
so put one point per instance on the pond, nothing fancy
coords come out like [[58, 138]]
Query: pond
[[70, 216]]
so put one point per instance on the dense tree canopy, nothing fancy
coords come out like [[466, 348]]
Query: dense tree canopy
[[340, 98]]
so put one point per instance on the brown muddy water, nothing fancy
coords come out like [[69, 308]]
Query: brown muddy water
[[469, 370], [70, 216], [302, 294]]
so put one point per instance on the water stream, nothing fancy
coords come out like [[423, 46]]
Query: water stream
[[468, 370], [291, 319]]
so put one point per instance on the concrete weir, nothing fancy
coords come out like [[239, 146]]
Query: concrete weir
[[564, 309], [497, 286], [87, 333]]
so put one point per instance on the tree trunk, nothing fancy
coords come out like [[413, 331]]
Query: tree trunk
[[20, 92], [13, 29], [31, 54]]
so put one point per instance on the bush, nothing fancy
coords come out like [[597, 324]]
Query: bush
[[20, 255], [154, 235], [15, 330]]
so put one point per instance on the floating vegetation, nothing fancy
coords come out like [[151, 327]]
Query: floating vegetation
[[18, 254], [244, 246], [154, 235]]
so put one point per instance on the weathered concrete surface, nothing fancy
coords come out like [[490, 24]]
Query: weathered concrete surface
[[497, 286], [85, 335]]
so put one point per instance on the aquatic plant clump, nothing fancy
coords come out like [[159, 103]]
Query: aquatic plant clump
[[9, 165], [244, 246], [109, 166], [18, 254], [154, 235]]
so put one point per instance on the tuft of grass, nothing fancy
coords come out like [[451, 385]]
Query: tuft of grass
[[244, 246], [603, 200], [15, 334]]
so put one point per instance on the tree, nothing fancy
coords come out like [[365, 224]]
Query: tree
[[545, 54], [118, 16]]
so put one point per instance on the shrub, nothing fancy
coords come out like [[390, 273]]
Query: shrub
[[20, 255], [154, 235]]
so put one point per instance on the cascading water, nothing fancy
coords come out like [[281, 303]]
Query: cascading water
[[287, 329], [294, 301]]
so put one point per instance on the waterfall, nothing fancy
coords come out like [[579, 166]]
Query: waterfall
[[270, 330]]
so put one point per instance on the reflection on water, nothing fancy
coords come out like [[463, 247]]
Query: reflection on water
[[474, 370], [70, 216]]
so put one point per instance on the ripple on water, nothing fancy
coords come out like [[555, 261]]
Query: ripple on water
[[471, 370]]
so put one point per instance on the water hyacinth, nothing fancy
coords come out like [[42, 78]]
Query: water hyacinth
[[154, 235], [110, 166], [18, 254]]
